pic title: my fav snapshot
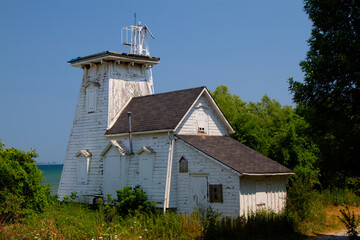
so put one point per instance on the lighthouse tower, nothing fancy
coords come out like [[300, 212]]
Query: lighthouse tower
[[110, 79]]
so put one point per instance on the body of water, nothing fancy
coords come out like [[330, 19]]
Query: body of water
[[52, 174]]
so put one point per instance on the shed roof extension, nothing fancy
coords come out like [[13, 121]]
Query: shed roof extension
[[154, 112], [235, 155]]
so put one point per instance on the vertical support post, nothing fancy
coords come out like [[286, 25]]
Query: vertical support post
[[168, 174]]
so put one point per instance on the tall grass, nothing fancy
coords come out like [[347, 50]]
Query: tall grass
[[304, 214], [258, 225], [79, 221], [340, 197]]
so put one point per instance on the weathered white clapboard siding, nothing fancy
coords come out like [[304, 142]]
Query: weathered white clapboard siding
[[275, 193], [88, 128], [189, 125], [159, 143], [216, 174]]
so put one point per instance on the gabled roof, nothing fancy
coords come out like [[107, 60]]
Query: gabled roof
[[235, 155], [154, 112]]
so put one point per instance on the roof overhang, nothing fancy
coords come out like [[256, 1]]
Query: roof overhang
[[268, 174], [139, 133], [84, 152], [114, 56]]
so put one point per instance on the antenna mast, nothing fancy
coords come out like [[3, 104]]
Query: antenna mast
[[135, 36]]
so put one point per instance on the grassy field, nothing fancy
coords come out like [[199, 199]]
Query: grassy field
[[78, 221], [72, 220]]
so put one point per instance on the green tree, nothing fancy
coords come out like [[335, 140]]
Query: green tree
[[21, 188], [329, 96], [273, 130]]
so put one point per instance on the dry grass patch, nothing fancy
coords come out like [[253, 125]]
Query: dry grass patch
[[333, 224]]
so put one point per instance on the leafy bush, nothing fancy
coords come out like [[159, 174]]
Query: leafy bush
[[21, 188], [131, 199], [350, 222]]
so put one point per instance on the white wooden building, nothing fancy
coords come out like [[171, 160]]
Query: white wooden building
[[178, 150]]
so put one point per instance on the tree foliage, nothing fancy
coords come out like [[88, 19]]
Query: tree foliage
[[273, 130], [21, 188], [329, 96]]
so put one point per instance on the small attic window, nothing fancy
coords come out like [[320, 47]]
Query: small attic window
[[216, 195], [183, 165]]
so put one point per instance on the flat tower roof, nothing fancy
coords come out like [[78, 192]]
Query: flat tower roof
[[116, 56]]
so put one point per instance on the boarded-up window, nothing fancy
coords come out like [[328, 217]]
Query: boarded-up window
[[216, 195], [91, 97], [146, 161], [202, 121], [83, 169], [183, 165]]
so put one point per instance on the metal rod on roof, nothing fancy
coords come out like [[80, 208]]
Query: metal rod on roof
[[130, 132]]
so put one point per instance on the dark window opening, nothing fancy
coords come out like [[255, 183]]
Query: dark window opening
[[216, 194], [183, 165]]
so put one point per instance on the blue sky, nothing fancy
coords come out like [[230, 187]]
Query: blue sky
[[253, 47]]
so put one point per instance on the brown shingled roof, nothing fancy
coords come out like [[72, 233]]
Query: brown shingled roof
[[156, 112], [235, 154]]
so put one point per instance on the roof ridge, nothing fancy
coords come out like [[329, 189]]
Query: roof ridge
[[182, 90]]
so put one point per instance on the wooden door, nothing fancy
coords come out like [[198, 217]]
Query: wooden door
[[112, 173], [261, 195], [198, 192]]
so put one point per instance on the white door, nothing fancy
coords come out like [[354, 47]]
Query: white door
[[146, 165], [112, 173], [198, 192], [83, 170], [261, 196]]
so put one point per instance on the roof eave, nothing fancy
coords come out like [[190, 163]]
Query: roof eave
[[229, 128], [188, 111], [138, 133], [222, 116], [116, 56], [268, 174]]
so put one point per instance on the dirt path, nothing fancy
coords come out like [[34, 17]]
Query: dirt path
[[332, 236]]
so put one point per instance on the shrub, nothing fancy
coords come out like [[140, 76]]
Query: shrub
[[350, 222], [21, 189], [304, 207], [131, 199]]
